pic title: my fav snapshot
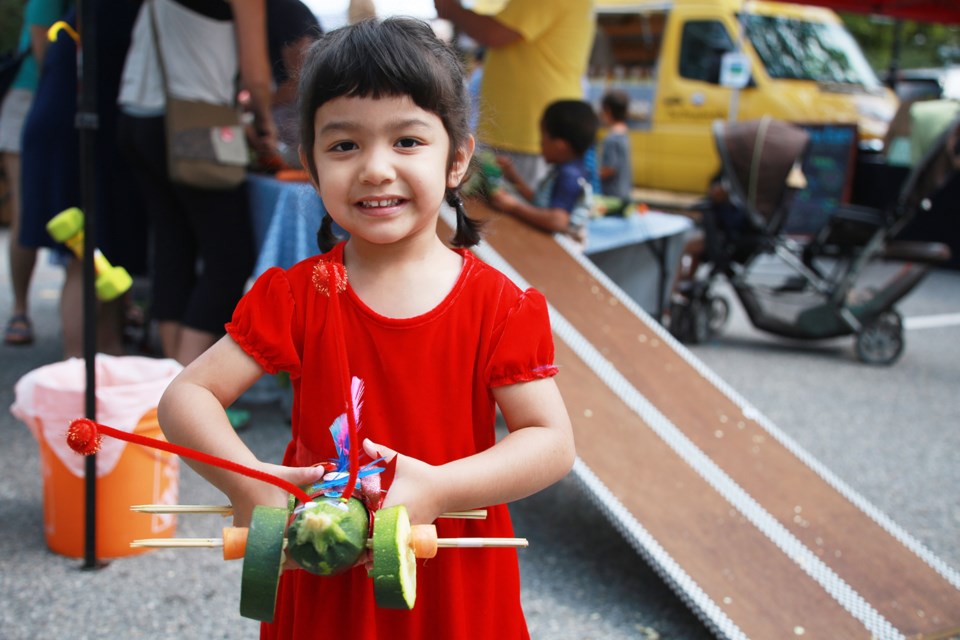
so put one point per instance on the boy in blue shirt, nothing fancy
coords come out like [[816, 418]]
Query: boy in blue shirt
[[563, 199]]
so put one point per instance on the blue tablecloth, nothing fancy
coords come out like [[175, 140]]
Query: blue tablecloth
[[607, 234], [640, 253], [286, 218]]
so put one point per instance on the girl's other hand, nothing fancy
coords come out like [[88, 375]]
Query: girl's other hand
[[416, 484]]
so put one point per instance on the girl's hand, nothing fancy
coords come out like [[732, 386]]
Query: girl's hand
[[262, 493], [416, 484]]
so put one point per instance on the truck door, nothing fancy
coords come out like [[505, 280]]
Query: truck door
[[689, 99]]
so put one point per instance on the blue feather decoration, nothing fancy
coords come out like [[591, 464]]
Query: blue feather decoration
[[340, 430]]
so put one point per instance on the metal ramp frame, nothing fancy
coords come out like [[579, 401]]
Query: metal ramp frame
[[753, 533]]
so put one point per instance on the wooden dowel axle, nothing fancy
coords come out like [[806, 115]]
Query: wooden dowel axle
[[213, 543], [177, 543], [226, 510], [222, 509], [472, 514], [487, 543]]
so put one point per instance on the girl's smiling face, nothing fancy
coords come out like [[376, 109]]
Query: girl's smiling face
[[382, 167]]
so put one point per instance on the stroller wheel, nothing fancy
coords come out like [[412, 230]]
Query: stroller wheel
[[702, 320], [688, 320], [697, 317], [719, 313], [680, 319], [880, 341]]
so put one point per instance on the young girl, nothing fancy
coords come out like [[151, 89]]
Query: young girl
[[437, 337]]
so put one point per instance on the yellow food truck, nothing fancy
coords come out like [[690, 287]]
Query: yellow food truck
[[686, 63]]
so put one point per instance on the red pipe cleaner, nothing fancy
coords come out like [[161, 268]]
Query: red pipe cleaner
[[84, 436]]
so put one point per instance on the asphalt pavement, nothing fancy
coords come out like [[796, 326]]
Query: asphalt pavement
[[889, 432]]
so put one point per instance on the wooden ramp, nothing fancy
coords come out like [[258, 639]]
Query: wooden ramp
[[754, 534]]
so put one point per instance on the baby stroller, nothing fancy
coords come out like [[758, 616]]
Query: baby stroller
[[795, 289]]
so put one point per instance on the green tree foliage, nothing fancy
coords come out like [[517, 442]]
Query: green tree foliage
[[922, 44], [11, 18]]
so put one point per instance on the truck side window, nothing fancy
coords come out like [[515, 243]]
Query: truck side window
[[702, 46]]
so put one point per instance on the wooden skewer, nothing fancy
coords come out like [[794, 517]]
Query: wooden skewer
[[222, 509], [226, 510], [177, 543], [472, 514], [213, 543]]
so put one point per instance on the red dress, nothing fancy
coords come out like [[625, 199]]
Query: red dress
[[427, 394]]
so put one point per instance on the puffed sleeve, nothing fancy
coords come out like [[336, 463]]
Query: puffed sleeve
[[263, 323], [523, 351]]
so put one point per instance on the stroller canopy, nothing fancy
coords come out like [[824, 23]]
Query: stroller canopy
[[758, 157]]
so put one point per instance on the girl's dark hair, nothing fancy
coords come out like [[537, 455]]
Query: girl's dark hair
[[574, 121], [388, 58]]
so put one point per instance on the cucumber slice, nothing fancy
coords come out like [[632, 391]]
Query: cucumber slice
[[262, 562], [394, 563], [328, 535]]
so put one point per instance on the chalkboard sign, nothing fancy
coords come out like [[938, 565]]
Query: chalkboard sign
[[829, 169]]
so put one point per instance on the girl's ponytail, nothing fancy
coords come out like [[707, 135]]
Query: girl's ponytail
[[468, 229], [326, 238]]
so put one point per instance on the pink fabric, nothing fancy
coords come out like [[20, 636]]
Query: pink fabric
[[49, 398]]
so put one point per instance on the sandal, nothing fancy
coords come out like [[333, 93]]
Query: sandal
[[19, 331]]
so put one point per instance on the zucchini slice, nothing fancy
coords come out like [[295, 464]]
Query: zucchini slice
[[262, 563], [394, 563]]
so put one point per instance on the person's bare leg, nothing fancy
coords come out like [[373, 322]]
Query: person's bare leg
[[169, 332], [193, 342], [110, 327], [109, 317], [22, 259], [71, 310]]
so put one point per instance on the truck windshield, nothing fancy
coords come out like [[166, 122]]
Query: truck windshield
[[793, 49]]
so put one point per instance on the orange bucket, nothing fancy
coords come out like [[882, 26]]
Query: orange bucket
[[141, 476], [128, 390]]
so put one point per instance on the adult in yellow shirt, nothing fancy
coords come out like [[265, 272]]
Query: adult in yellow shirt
[[537, 53]]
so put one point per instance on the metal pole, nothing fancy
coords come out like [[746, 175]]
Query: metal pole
[[87, 124]]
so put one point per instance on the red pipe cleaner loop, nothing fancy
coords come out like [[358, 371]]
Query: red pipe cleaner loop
[[330, 279], [84, 436]]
